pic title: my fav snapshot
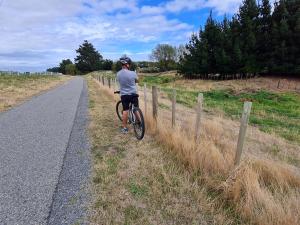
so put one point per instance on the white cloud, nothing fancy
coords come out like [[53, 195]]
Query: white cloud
[[151, 10], [41, 33], [176, 6], [224, 6], [179, 5]]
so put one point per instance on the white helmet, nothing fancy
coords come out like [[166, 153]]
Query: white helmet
[[125, 60]]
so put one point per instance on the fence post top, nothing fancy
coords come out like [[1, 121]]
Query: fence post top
[[247, 107], [200, 97]]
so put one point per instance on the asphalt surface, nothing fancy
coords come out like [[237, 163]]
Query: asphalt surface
[[38, 144], [71, 195]]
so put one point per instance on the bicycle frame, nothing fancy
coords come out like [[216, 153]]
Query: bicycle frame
[[131, 115], [135, 118]]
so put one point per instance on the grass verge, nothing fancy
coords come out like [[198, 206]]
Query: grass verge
[[141, 182], [15, 89], [259, 191]]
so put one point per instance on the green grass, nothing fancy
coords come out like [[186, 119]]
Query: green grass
[[163, 106], [91, 104], [112, 163], [159, 80], [277, 113], [137, 190]]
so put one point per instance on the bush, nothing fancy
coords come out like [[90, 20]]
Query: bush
[[71, 69], [149, 70]]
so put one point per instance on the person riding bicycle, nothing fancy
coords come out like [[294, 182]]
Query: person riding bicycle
[[127, 82]]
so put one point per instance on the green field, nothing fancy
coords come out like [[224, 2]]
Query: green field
[[272, 112]]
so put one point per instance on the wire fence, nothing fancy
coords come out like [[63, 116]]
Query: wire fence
[[29, 73], [170, 106], [159, 102]]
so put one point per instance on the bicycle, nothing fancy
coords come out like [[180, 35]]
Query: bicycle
[[135, 117]]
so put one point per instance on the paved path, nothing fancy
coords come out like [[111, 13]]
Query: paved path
[[34, 138]]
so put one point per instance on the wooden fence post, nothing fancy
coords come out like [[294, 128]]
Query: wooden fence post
[[174, 108], [278, 85], [242, 133], [108, 82], [102, 80], [116, 84], [145, 97], [198, 116], [154, 102]]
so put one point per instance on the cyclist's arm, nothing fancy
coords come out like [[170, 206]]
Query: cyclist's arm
[[136, 78], [118, 82]]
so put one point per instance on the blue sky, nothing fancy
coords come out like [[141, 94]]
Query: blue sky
[[36, 35]]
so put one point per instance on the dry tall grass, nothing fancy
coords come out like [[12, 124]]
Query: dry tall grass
[[262, 191], [14, 90], [138, 182], [259, 83]]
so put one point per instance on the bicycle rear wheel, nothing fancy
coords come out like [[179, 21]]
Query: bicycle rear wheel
[[119, 110], [139, 124]]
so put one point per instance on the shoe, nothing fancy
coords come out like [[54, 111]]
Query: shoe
[[124, 130]]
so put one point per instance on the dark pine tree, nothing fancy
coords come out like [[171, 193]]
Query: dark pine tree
[[88, 58], [280, 39], [248, 16], [296, 38], [212, 38], [226, 48], [256, 40], [264, 45], [236, 54], [190, 63]]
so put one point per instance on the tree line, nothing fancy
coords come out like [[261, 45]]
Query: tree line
[[88, 59], [257, 40]]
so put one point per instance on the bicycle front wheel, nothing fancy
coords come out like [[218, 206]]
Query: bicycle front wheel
[[119, 110], [139, 124]]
